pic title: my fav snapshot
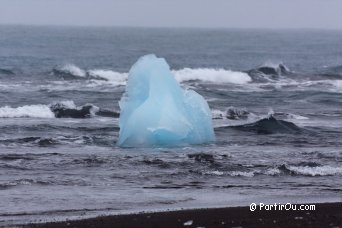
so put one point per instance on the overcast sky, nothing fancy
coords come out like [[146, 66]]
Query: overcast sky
[[176, 13]]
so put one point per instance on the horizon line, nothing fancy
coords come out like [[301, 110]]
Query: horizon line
[[169, 27]]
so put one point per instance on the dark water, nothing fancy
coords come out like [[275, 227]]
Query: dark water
[[276, 99]]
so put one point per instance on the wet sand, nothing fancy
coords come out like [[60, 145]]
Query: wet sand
[[325, 215]]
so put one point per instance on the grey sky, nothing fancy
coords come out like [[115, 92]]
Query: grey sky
[[176, 13]]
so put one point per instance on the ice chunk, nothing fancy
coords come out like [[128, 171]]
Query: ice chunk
[[156, 111]]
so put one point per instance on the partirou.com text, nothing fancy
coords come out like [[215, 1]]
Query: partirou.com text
[[282, 207]]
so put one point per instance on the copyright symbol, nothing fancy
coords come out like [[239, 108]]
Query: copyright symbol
[[252, 207]]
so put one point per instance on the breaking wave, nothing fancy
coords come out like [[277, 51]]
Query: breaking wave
[[63, 109], [71, 71], [325, 170], [68, 109], [285, 169], [269, 71], [274, 68], [35, 111], [212, 75], [108, 75], [268, 76], [231, 113], [315, 170]]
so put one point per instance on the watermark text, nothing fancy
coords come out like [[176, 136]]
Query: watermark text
[[281, 207]]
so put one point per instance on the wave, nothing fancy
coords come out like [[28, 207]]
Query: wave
[[234, 113], [241, 173], [333, 70], [218, 114], [212, 75], [71, 71], [265, 77], [68, 109], [218, 165], [289, 116], [337, 69], [4, 71], [14, 183], [30, 140], [63, 109], [319, 170], [34, 111], [108, 75], [95, 76], [269, 125], [308, 170], [230, 173], [269, 71], [231, 113], [272, 68], [308, 84], [98, 140]]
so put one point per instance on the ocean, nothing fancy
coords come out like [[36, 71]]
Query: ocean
[[275, 98]]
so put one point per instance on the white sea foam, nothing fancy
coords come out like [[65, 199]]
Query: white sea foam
[[338, 84], [183, 75], [93, 110], [108, 75], [239, 173], [41, 111], [215, 173], [69, 104], [186, 74], [316, 171], [272, 171], [334, 86], [275, 65], [297, 117], [73, 70], [231, 173], [35, 111], [66, 104], [232, 113], [212, 75], [218, 114], [270, 112]]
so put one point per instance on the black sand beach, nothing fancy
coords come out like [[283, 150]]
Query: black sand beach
[[325, 215]]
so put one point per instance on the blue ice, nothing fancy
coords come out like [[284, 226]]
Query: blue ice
[[156, 111]]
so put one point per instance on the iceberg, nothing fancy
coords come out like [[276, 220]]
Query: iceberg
[[156, 111]]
